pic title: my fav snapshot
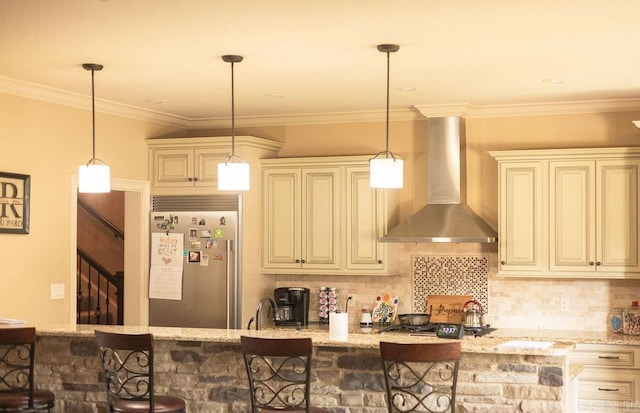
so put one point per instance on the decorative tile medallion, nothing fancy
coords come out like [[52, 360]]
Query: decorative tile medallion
[[449, 275]]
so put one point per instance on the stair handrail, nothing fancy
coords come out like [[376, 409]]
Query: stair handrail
[[104, 221]]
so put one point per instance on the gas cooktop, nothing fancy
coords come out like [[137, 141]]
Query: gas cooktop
[[430, 330]]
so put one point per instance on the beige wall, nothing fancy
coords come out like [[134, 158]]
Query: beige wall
[[49, 141]]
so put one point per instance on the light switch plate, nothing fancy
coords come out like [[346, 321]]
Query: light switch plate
[[57, 291]]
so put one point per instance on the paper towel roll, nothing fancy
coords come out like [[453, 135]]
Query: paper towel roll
[[338, 326]]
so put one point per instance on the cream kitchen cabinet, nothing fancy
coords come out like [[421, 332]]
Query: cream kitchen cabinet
[[321, 217], [187, 167], [593, 219], [521, 206], [190, 165], [302, 218], [610, 376], [569, 213], [365, 223]]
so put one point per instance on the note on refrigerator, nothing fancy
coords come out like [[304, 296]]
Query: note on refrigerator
[[165, 275]]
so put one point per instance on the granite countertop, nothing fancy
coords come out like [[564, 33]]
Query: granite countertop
[[563, 341]]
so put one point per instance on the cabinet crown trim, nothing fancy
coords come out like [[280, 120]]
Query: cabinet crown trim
[[215, 141], [564, 154]]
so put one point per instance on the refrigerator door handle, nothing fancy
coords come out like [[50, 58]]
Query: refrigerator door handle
[[229, 247]]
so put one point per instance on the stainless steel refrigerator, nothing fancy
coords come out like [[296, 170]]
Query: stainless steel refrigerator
[[210, 278]]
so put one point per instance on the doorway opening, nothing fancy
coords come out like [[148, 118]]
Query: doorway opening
[[135, 258]]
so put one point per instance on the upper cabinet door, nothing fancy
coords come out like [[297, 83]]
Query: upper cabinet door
[[521, 215], [281, 237], [364, 222], [572, 229], [617, 222], [321, 200], [206, 166], [173, 167]]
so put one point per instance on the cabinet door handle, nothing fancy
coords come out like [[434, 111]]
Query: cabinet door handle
[[598, 263], [195, 179], [303, 261], [591, 263], [297, 261], [609, 357], [604, 389], [503, 262], [379, 261], [190, 179]]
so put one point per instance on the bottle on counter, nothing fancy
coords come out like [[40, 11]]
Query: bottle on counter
[[616, 320], [631, 319]]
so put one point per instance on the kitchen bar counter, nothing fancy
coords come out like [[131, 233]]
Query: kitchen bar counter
[[205, 367], [320, 337], [565, 339]]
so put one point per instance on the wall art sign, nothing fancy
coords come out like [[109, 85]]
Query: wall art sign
[[14, 203]]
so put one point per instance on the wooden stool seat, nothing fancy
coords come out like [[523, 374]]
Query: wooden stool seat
[[160, 404], [17, 363], [127, 361]]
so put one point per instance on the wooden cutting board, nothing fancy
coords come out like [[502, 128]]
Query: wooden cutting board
[[446, 308]]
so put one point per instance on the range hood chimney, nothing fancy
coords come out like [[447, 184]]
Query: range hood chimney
[[446, 217]]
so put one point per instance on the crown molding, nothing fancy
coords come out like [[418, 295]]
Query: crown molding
[[77, 100], [529, 109], [309, 119], [416, 112]]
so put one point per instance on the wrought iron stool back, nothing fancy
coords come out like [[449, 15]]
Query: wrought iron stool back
[[279, 372], [127, 361], [420, 377], [17, 362]]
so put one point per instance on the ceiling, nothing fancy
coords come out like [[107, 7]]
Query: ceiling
[[314, 61]]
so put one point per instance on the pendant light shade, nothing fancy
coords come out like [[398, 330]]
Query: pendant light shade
[[233, 175], [95, 176], [385, 170]]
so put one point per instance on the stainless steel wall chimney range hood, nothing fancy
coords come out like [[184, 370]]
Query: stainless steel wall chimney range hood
[[446, 217]]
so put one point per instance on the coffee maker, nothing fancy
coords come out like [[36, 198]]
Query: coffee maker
[[293, 305]]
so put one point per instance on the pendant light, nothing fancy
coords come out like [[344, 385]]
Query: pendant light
[[233, 175], [94, 177], [386, 172]]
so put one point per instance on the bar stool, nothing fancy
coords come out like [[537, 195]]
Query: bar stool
[[127, 361], [279, 372], [420, 377], [17, 361]]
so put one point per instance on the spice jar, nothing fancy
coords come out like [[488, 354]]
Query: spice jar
[[616, 320], [631, 319]]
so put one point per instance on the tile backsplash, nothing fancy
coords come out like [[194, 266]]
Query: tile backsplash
[[514, 302], [450, 275]]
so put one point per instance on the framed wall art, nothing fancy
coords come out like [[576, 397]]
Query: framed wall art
[[14, 203]]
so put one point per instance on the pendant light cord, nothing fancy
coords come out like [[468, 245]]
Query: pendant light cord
[[233, 59], [388, 49], [233, 113], [387, 140], [93, 117]]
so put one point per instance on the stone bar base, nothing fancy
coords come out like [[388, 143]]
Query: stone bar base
[[212, 378]]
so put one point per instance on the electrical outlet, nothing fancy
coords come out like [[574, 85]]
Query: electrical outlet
[[564, 304]]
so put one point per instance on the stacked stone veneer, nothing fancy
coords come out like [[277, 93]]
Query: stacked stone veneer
[[212, 378]]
